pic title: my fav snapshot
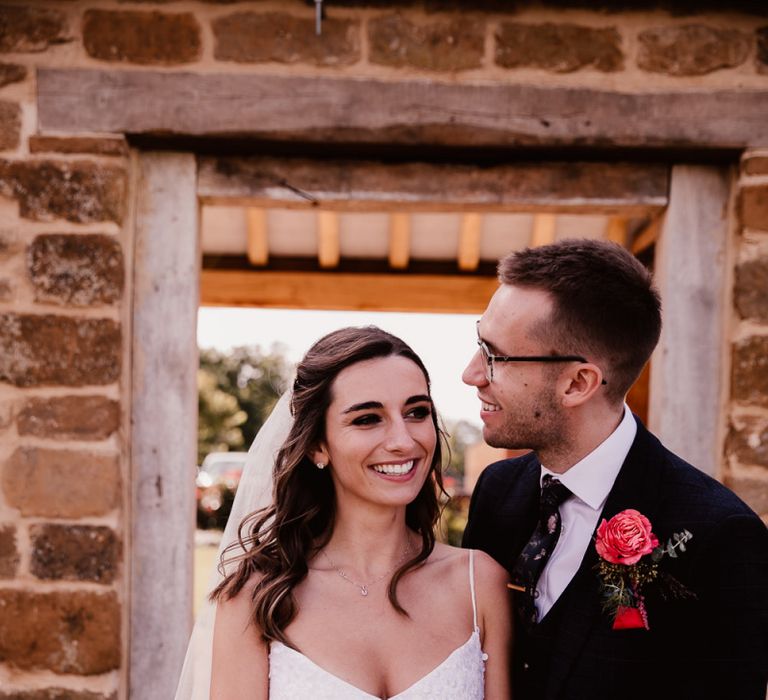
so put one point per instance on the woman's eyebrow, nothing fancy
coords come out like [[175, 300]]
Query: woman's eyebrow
[[366, 405]]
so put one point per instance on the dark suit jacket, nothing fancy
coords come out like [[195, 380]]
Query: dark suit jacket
[[712, 647]]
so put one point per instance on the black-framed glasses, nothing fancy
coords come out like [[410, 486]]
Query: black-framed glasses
[[489, 358]]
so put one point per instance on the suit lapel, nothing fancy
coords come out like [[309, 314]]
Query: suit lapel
[[636, 486]]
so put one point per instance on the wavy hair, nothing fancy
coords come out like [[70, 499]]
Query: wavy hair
[[276, 542]]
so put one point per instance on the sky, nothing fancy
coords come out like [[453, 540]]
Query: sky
[[445, 342]]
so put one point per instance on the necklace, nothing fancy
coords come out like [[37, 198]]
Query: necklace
[[364, 586]]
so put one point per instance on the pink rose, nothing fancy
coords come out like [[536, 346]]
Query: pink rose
[[625, 538]]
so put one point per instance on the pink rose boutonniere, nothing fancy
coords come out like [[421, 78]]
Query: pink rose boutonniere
[[629, 560]]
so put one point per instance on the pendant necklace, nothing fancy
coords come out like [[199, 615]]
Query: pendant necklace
[[364, 586]]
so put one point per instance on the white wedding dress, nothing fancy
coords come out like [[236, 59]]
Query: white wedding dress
[[293, 676], [461, 676]]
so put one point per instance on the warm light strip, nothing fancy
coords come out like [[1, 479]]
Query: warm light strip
[[328, 245], [258, 244], [469, 241], [399, 240], [543, 230]]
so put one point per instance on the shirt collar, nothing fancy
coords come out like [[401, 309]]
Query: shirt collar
[[591, 479]]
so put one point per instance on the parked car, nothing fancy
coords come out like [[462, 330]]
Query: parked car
[[216, 485]]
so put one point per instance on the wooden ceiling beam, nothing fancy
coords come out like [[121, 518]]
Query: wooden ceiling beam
[[399, 240], [616, 230], [328, 239], [346, 291], [543, 232], [627, 189], [469, 241], [258, 241]]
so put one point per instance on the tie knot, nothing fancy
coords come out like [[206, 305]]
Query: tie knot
[[553, 492]]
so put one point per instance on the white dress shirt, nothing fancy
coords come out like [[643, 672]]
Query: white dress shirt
[[590, 481]]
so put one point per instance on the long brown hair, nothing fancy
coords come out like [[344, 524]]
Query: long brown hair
[[276, 542]]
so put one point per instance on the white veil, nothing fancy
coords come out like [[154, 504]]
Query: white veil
[[253, 492]]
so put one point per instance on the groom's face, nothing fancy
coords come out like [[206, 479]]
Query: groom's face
[[519, 406]]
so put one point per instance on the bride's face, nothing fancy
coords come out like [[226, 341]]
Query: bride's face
[[379, 434]]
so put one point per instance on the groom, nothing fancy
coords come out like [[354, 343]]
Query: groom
[[561, 342]]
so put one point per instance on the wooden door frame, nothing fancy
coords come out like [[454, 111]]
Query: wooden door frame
[[164, 394]]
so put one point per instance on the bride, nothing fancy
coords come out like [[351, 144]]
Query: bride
[[338, 588]]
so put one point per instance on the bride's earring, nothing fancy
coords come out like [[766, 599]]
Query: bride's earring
[[320, 465]]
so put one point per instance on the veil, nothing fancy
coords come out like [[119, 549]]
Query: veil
[[253, 492]]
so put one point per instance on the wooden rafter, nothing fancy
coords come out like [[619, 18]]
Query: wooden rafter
[[328, 245], [616, 230], [543, 232], [469, 241], [399, 240], [648, 236], [258, 243]]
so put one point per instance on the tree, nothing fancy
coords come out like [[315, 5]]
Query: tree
[[236, 393]]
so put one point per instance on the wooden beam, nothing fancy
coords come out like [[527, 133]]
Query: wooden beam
[[399, 240], [469, 241], [258, 242], [355, 185], [346, 291], [648, 236], [330, 109], [328, 245], [616, 229], [543, 232]]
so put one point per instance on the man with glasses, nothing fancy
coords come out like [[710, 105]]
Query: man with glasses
[[560, 344]]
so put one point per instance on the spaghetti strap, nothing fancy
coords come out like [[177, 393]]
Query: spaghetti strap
[[472, 588]]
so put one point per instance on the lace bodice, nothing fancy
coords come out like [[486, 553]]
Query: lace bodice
[[460, 676]]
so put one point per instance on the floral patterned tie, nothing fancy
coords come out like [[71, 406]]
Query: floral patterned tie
[[535, 554]]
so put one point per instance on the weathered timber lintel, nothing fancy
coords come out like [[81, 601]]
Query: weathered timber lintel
[[349, 110], [637, 188]]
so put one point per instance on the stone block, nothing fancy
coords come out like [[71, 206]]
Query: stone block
[[82, 192], [560, 48], [10, 125], [61, 483], [755, 165], [9, 555], [748, 440], [54, 694], [251, 37], [754, 492], [453, 44], [74, 553], [64, 632], [692, 49], [81, 270], [25, 29], [753, 207], [56, 350], [145, 38], [749, 372], [69, 417], [11, 73], [78, 144], [751, 289], [761, 57]]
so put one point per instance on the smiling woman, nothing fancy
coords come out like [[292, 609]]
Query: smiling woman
[[347, 549]]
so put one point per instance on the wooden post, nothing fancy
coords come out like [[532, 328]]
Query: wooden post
[[469, 241], [258, 242], [687, 369], [328, 241], [543, 230], [399, 240], [164, 420]]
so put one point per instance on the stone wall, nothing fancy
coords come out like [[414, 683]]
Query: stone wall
[[746, 448], [66, 241]]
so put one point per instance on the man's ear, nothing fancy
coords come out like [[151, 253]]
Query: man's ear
[[580, 384]]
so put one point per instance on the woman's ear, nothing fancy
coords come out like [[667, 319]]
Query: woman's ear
[[319, 455]]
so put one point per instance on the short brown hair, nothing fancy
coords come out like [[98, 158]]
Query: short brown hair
[[605, 304]]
